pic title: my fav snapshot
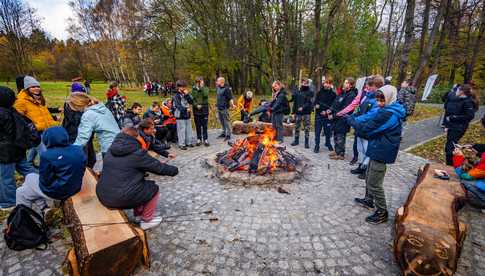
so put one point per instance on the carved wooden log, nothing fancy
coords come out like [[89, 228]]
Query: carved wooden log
[[239, 127], [104, 242], [428, 235]]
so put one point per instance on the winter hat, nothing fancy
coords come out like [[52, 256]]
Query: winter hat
[[30, 82], [7, 97], [77, 87], [249, 94], [390, 93]]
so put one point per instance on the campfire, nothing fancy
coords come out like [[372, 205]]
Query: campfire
[[258, 154]]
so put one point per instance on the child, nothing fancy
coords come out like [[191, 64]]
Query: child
[[471, 170], [148, 141], [133, 116], [61, 171], [245, 105], [123, 185], [181, 102]]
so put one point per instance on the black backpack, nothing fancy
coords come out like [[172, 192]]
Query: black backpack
[[25, 229], [26, 135]]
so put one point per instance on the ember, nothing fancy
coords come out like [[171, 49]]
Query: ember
[[258, 154]]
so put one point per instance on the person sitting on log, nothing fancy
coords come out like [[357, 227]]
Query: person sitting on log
[[382, 129], [169, 122], [123, 185], [471, 170], [148, 140], [263, 110], [133, 116], [61, 172], [245, 106]]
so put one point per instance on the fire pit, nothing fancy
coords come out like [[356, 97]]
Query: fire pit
[[256, 160]]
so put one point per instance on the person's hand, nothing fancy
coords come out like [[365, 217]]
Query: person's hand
[[61, 109], [199, 106], [300, 109], [317, 106], [457, 152], [171, 156], [156, 121], [330, 116], [233, 106], [323, 113]]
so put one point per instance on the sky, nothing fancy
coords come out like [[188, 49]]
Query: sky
[[54, 16]]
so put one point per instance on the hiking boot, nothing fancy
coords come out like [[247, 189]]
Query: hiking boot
[[183, 147], [223, 135], [316, 149], [379, 216], [227, 138], [362, 176], [198, 143], [296, 141], [307, 143], [364, 202], [337, 157], [206, 143], [358, 170], [330, 148], [353, 161], [332, 153], [151, 224], [190, 146]]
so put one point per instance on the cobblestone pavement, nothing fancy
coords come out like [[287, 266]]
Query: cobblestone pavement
[[314, 230]]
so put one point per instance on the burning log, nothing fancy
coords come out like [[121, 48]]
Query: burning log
[[253, 165]]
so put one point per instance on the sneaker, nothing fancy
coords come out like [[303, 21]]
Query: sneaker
[[151, 224], [198, 143], [191, 146], [316, 149], [358, 170], [206, 143], [366, 203], [379, 216], [227, 138], [221, 136], [183, 147]]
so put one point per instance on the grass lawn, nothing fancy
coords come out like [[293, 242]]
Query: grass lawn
[[423, 112], [434, 149]]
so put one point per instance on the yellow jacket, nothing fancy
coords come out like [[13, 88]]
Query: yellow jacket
[[240, 104], [36, 112]]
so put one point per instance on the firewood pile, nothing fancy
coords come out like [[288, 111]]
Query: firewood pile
[[258, 154]]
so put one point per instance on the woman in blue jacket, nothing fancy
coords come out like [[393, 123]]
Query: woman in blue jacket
[[382, 128]]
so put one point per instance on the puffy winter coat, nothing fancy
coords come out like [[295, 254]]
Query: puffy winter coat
[[62, 165], [98, 119], [303, 99], [382, 127], [9, 151], [39, 114], [459, 111], [122, 184]]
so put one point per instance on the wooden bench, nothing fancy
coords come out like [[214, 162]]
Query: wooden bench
[[104, 242], [428, 235], [239, 127]]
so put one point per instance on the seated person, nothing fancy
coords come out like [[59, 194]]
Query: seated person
[[169, 122], [123, 185], [133, 116], [148, 141], [471, 171], [264, 112], [245, 106], [61, 171]]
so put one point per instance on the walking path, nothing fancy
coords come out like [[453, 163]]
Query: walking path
[[423, 131]]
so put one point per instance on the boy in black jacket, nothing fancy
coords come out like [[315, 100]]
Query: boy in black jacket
[[323, 101], [302, 108]]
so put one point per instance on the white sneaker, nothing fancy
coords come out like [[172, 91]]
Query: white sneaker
[[151, 224]]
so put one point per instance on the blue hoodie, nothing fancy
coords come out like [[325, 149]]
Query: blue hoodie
[[98, 119], [62, 165], [382, 127]]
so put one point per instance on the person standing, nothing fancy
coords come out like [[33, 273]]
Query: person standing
[[245, 105], [116, 103], [32, 104], [181, 102], [323, 101], [279, 108], [383, 130], [96, 119], [302, 110], [13, 147], [407, 97], [460, 109], [200, 95], [337, 112], [224, 102]]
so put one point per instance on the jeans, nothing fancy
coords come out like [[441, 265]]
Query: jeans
[[225, 120], [325, 124], [30, 193], [184, 132], [305, 119], [339, 141], [201, 126], [374, 184], [362, 149], [453, 136], [475, 196], [32, 153], [147, 210], [7, 180], [277, 121]]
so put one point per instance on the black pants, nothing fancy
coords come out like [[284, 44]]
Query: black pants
[[452, 137], [323, 123], [277, 122], [89, 149], [339, 140], [354, 148], [201, 121]]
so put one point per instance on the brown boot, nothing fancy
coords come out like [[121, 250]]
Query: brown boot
[[332, 153], [337, 157]]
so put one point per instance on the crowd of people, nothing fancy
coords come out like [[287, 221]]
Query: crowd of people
[[377, 112]]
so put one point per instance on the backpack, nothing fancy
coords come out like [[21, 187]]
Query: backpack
[[26, 135], [25, 229]]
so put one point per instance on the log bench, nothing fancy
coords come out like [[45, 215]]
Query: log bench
[[239, 127], [428, 234], [104, 243]]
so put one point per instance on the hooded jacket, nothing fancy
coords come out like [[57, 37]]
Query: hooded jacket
[[303, 98], [279, 104], [382, 127], [62, 165], [181, 103], [38, 113], [122, 184], [98, 119], [459, 111], [9, 151]]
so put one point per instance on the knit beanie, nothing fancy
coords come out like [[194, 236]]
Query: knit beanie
[[390, 93], [77, 87], [30, 82], [7, 97]]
